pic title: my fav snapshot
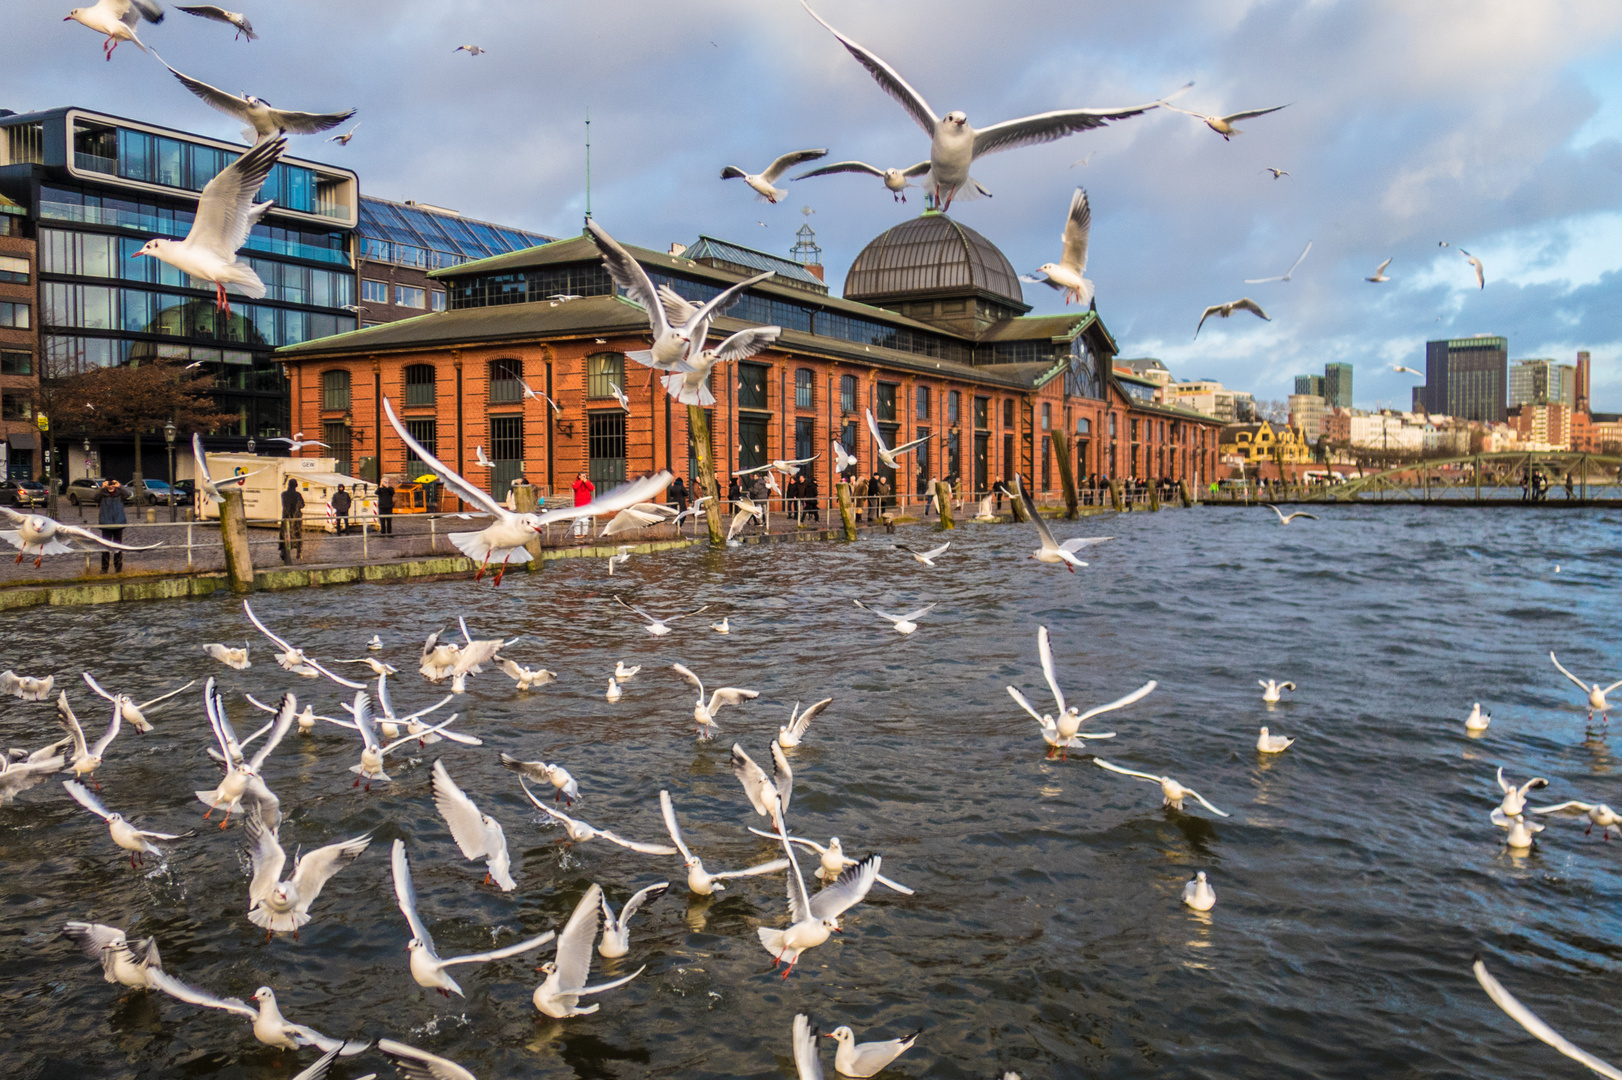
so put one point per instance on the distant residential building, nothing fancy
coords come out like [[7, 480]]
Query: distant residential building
[[1337, 426], [1309, 385], [1388, 431], [1203, 396], [1606, 434], [1147, 367], [400, 243], [1466, 378], [1264, 442], [1542, 426], [1307, 413], [1539, 382]]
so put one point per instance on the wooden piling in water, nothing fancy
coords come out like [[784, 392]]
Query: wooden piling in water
[[234, 539], [698, 426], [1115, 496], [1187, 494], [943, 503], [1067, 476], [1016, 500], [847, 512], [1153, 487], [526, 499]]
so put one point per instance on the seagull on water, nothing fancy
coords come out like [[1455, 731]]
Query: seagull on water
[[376, 644], [1596, 813], [1066, 274], [293, 659], [511, 531], [763, 182], [567, 788], [1477, 720], [764, 792], [1223, 125], [866, 1059], [887, 455], [261, 122], [1514, 801], [244, 28], [26, 687], [722, 627], [1272, 691], [616, 940], [427, 968], [1595, 692], [138, 842], [269, 1026], [478, 834], [704, 712], [1521, 831], [1285, 519], [1272, 744], [1380, 275], [118, 20], [699, 880], [122, 962], [897, 181], [1529, 1020], [52, 537], [1286, 275], [373, 751], [526, 677], [955, 143], [1172, 792], [1198, 893], [926, 557], [657, 627], [813, 919], [1062, 733], [623, 673], [86, 759], [580, 832], [904, 624], [215, 490], [834, 861], [671, 340], [1051, 550], [1225, 310], [792, 733], [559, 996], [614, 692], [1481, 271], [282, 906]]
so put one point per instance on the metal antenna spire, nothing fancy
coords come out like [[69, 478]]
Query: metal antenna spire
[[588, 164]]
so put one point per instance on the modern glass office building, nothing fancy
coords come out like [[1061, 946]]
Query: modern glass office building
[[1337, 387], [95, 187], [1542, 382], [1466, 378]]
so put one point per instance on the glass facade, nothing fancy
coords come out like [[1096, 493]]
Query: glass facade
[[1467, 378], [408, 235]]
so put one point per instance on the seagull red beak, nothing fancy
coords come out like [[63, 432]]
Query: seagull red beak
[[138, 254]]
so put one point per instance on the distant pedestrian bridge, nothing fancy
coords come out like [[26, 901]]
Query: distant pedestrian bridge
[[1485, 479]]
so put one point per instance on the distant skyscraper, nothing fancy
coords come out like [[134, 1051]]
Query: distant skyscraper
[[1542, 382], [1580, 404], [1467, 377], [1312, 385], [1337, 386]]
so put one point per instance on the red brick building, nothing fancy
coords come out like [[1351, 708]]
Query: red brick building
[[932, 335]]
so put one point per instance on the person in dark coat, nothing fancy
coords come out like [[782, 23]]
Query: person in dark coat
[[678, 494], [341, 502], [734, 493], [292, 522], [385, 508], [110, 507], [812, 510]]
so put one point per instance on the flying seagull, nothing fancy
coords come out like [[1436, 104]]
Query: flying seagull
[[297, 442], [764, 180], [1065, 275], [118, 20], [218, 14], [1379, 273], [1286, 275], [215, 489], [693, 387], [226, 214], [471, 50], [1539, 1030], [1481, 272], [52, 537], [1285, 519], [343, 140], [954, 142], [1223, 125], [1051, 550], [887, 455], [896, 180], [1224, 310], [260, 120], [1276, 172], [1409, 370], [1172, 793]]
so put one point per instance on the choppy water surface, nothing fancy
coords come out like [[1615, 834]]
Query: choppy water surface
[[1356, 877]]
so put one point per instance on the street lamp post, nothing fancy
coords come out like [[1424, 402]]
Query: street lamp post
[[169, 441]]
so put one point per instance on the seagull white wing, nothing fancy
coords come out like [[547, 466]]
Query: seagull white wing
[[726, 298], [1077, 226], [629, 275], [820, 849], [873, 426], [284, 720], [1102, 764], [904, 447], [263, 629], [405, 893], [455, 482], [753, 778], [686, 673], [801, 721], [82, 537], [317, 867], [648, 895], [70, 724], [755, 871], [95, 686], [1201, 799], [1565, 809], [267, 856], [914, 616], [1580, 684], [226, 212], [888, 78], [1120, 703], [807, 1058], [162, 980], [1381, 268], [1025, 704], [229, 104], [1504, 785], [848, 890], [362, 712], [1044, 649], [461, 815], [101, 744], [635, 845], [165, 697], [746, 343], [417, 1064], [1037, 519], [574, 943], [669, 812], [799, 901], [787, 161], [1247, 304], [842, 167], [1529, 1020], [1045, 127], [613, 502], [83, 796], [423, 734]]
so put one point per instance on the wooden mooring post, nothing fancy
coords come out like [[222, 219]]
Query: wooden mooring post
[[1115, 496], [698, 426], [1016, 499], [943, 503], [234, 539], [1067, 475], [847, 512]]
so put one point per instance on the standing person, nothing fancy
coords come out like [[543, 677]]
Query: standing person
[[385, 508], [584, 490], [110, 506], [341, 503], [813, 509], [858, 491], [292, 521], [734, 493], [796, 497], [678, 495]]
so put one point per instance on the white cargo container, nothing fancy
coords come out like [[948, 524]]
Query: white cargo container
[[318, 481]]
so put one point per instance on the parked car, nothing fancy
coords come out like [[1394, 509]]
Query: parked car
[[23, 493], [187, 490], [158, 493], [87, 489]]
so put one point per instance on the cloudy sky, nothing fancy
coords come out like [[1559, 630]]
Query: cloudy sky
[[1492, 124]]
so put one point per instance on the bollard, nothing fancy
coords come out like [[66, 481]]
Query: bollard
[[1154, 496], [1115, 496], [433, 534], [1187, 493], [364, 556], [526, 499], [847, 513], [188, 544], [1016, 499], [234, 539], [943, 503], [1067, 476], [698, 430]]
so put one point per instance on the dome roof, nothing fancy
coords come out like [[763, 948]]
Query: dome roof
[[929, 256]]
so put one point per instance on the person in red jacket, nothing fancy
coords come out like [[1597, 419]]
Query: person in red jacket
[[584, 489]]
